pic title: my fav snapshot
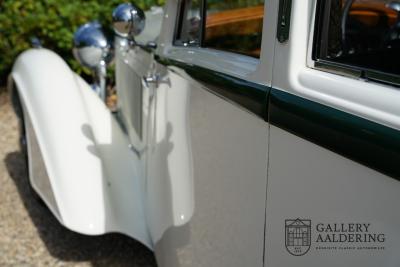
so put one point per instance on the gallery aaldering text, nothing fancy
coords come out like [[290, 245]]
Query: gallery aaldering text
[[347, 233]]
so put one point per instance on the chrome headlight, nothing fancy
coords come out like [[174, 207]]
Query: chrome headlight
[[128, 20], [91, 47]]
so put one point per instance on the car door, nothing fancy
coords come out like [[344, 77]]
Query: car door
[[207, 169], [334, 113]]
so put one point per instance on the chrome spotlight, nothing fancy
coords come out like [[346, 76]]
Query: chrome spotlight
[[128, 20], [93, 50], [91, 45]]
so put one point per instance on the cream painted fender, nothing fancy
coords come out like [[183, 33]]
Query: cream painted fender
[[95, 181]]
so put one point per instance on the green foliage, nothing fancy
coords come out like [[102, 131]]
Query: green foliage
[[53, 22]]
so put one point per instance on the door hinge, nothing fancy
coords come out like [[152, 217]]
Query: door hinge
[[285, 10]]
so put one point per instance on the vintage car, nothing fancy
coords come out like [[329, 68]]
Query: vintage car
[[246, 133]]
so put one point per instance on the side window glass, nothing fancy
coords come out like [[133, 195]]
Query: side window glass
[[234, 25], [188, 32], [363, 35]]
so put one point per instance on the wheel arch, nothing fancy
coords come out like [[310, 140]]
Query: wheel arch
[[94, 176], [46, 95]]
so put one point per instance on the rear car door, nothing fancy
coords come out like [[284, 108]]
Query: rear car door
[[207, 170], [334, 113]]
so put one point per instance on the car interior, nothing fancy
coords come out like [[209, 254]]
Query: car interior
[[367, 34]]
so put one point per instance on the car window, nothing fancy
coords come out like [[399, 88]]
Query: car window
[[189, 25], [230, 25], [363, 35], [234, 25]]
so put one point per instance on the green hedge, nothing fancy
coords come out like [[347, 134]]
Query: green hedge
[[53, 22]]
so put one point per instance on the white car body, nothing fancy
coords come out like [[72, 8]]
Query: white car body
[[207, 181]]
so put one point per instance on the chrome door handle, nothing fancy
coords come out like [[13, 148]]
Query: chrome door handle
[[155, 79], [152, 79]]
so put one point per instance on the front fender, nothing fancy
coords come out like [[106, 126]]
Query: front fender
[[90, 169]]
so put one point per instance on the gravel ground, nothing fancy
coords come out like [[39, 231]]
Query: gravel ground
[[31, 236]]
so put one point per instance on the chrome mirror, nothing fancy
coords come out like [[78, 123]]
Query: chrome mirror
[[93, 50], [128, 20]]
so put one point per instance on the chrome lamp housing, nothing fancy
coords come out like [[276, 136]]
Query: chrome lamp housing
[[128, 20], [91, 46], [93, 50]]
